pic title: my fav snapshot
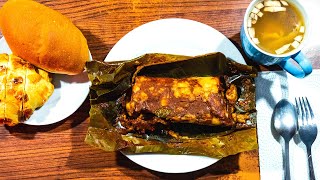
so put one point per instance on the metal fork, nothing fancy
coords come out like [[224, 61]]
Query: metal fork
[[307, 128]]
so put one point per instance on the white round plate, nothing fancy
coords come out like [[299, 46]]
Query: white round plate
[[173, 36], [68, 95]]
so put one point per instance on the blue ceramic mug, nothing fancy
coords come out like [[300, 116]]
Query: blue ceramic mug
[[293, 62]]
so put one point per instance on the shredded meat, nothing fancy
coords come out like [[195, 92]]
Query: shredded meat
[[141, 124]]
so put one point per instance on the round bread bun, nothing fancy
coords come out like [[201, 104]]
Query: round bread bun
[[44, 37]]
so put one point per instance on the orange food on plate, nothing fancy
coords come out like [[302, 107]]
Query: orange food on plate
[[43, 36], [23, 89]]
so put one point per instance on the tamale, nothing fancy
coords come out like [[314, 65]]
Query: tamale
[[203, 105], [194, 100]]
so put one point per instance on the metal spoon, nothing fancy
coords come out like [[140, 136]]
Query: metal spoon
[[285, 123]]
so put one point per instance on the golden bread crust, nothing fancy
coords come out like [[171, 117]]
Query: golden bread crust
[[44, 37], [24, 89], [38, 89], [3, 79], [15, 84]]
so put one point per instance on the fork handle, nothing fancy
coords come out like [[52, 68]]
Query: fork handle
[[311, 171]]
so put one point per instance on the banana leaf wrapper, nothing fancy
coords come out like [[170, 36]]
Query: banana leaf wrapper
[[112, 83]]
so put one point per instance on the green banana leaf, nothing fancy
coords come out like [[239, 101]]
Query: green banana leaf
[[111, 83]]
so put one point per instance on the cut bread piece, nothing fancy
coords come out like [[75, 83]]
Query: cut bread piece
[[24, 88], [15, 83], [4, 58], [38, 89]]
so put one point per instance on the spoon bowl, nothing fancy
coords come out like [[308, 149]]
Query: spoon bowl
[[285, 119], [285, 123]]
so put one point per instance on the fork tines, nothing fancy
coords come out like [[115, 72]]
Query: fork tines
[[304, 111]]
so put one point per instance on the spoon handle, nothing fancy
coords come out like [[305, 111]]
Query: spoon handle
[[286, 160]]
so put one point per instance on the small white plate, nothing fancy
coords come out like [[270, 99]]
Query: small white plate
[[173, 36], [68, 95]]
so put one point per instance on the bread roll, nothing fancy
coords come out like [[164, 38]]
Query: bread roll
[[43, 36]]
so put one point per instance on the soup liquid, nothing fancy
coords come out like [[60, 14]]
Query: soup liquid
[[276, 29]]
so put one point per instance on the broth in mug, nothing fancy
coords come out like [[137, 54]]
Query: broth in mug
[[276, 27]]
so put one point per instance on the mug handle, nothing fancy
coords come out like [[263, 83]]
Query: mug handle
[[299, 72]]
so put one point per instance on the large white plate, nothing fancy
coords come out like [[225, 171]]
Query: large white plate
[[68, 95], [174, 36]]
